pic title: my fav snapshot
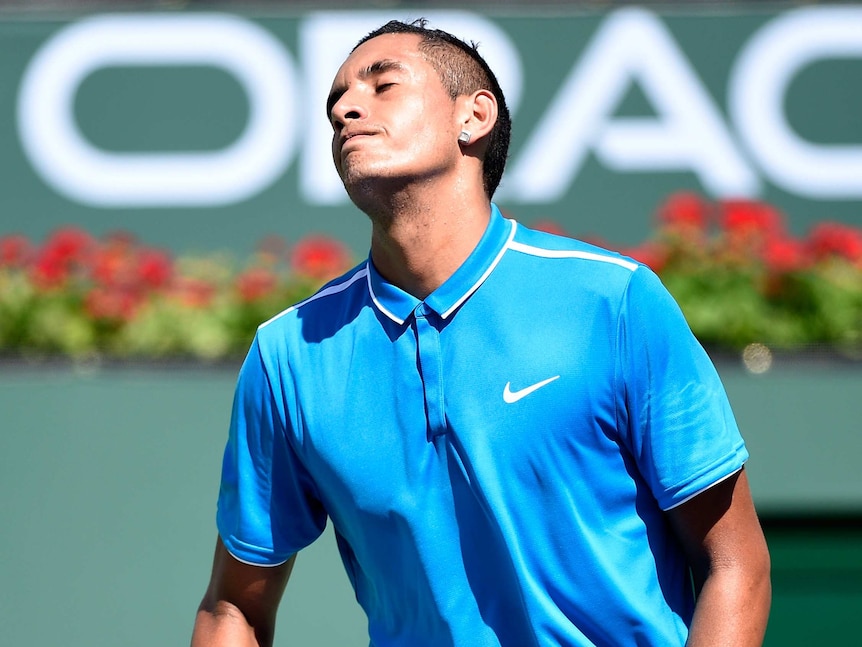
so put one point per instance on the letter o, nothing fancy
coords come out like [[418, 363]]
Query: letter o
[[75, 168]]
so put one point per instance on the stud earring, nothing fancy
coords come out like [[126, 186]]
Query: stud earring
[[464, 137]]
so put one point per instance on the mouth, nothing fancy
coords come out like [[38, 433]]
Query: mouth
[[356, 135]]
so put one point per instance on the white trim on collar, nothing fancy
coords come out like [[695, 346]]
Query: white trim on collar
[[486, 273], [379, 303]]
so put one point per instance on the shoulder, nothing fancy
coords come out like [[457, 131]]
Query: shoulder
[[562, 258], [332, 306], [542, 244]]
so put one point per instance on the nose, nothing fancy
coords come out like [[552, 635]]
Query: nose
[[345, 109]]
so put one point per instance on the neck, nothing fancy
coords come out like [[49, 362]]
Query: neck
[[419, 239]]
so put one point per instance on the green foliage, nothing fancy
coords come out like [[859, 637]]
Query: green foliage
[[736, 273], [741, 278], [78, 297]]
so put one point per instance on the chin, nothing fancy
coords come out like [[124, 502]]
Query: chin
[[360, 187], [372, 193], [366, 178]]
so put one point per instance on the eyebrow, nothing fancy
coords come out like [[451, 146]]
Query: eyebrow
[[375, 69]]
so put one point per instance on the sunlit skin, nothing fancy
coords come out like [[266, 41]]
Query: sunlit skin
[[391, 117], [395, 146]]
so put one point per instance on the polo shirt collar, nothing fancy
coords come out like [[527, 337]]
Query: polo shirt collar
[[397, 304]]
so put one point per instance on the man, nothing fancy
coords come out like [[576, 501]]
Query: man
[[515, 435]]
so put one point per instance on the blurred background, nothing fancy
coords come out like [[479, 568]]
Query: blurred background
[[166, 184]]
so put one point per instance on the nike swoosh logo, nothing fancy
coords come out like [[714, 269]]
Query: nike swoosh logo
[[510, 396]]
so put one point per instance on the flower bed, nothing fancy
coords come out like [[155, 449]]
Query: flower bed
[[740, 277], [81, 297], [738, 274]]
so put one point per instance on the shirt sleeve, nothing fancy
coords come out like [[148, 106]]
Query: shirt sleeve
[[681, 429], [267, 508]]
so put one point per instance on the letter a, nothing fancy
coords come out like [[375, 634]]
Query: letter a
[[687, 135]]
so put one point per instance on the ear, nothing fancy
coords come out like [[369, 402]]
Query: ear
[[477, 114]]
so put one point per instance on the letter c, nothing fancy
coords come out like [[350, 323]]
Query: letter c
[[758, 85]]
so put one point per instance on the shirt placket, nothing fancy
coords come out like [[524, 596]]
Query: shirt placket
[[431, 369]]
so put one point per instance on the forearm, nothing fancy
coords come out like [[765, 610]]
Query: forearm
[[223, 625], [732, 609]]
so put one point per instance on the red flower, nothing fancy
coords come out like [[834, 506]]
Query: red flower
[[66, 250], [154, 269], [684, 213], [110, 266], [49, 271], [121, 263], [15, 251], [750, 220], [783, 255], [255, 283], [834, 239], [193, 292], [111, 303], [69, 244], [319, 257]]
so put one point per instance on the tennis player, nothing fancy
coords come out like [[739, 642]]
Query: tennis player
[[515, 435]]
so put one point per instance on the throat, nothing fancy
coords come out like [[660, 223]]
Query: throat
[[419, 251]]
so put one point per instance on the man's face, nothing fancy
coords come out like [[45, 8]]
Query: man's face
[[391, 117]]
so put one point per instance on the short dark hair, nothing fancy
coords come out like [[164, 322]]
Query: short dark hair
[[462, 71]]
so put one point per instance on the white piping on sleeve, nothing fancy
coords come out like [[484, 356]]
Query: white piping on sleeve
[[704, 489], [563, 253], [245, 561]]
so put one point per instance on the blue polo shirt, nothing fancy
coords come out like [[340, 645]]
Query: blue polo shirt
[[495, 459]]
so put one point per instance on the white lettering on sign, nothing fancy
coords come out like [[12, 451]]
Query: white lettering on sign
[[688, 134], [632, 45], [76, 168], [758, 86], [326, 39]]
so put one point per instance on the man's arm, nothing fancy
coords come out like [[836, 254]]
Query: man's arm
[[729, 559], [241, 602]]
